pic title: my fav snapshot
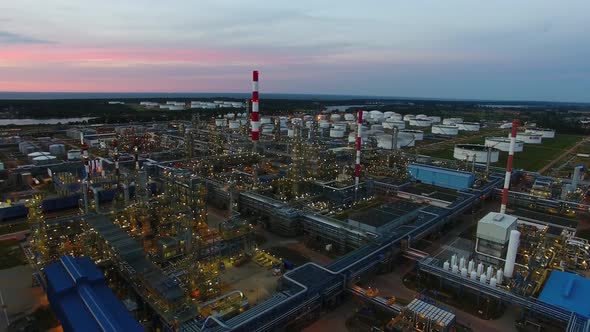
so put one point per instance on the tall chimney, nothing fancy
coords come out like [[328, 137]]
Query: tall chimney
[[357, 166], [255, 118], [509, 166]]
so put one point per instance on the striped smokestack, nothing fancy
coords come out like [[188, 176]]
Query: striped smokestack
[[509, 166], [255, 117], [357, 166]]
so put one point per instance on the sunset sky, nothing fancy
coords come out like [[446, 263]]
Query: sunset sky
[[510, 50]]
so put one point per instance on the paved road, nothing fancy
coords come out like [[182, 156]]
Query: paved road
[[561, 156]]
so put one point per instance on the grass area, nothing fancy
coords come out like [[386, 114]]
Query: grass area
[[533, 158], [12, 228], [11, 254]]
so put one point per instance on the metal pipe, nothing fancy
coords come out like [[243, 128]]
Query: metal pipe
[[509, 166]]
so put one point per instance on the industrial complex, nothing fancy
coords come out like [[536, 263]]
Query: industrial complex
[[245, 221]]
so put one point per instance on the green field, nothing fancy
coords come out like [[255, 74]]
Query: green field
[[533, 158]]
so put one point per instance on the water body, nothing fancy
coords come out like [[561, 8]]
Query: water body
[[31, 122]]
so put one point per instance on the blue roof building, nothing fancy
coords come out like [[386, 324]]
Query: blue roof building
[[569, 291], [81, 299], [442, 177]]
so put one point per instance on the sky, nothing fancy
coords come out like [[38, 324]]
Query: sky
[[498, 50]]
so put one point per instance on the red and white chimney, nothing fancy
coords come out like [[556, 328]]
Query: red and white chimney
[[509, 166], [255, 117], [357, 166]]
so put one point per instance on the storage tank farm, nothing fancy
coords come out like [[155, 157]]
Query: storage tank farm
[[251, 217]]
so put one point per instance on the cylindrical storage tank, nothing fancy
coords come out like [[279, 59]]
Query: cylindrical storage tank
[[26, 178], [336, 133], [267, 128], [44, 160], [283, 120], [445, 130], [74, 154], [544, 132], [334, 117], [454, 259], [479, 269], [489, 272], [388, 114], [513, 244], [404, 140], [234, 124], [308, 117], [409, 117], [473, 275], [420, 123], [291, 132], [34, 155], [57, 149], [462, 262], [503, 144], [470, 266], [390, 124], [230, 115], [265, 120], [499, 276], [452, 121], [396, 117], [220, 122], [377, 127], [324, 124], [308, 124], [455, 268], [297, 121], [493, 282], [468, 126], [418, 134], [421, 116], [434, 119], [480, 152], [349, 117], [482, 279], [464, 272], [446, 265], [340, 125], [243, 122], [529, 138]]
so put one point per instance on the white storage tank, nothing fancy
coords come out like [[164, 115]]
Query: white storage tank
[[434, 119], [244, 122], [452, 121], [230, 115], [308, 117], [349, 117], [446, 265], [409, 117], [390, 124], [480, 152], [422, 116], [340, 126], [283, 120], [296, 121], [420, 123], [513, 244], [377, 127], [234, 124], [529, 138], [448, 130], [336, 133], [396, 117], [74, 154], [57, 149], [308, 124], [220, 122], [34, 155], [266, 120], [335, 117], [503, 144], [267, 128], [468, 126], [44, 160], [544, 132], [418, 134], [324, 124], [403, 140], [352, 136], [291, 132]]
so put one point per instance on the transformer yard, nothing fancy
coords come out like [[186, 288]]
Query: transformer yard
[[249, 222]]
